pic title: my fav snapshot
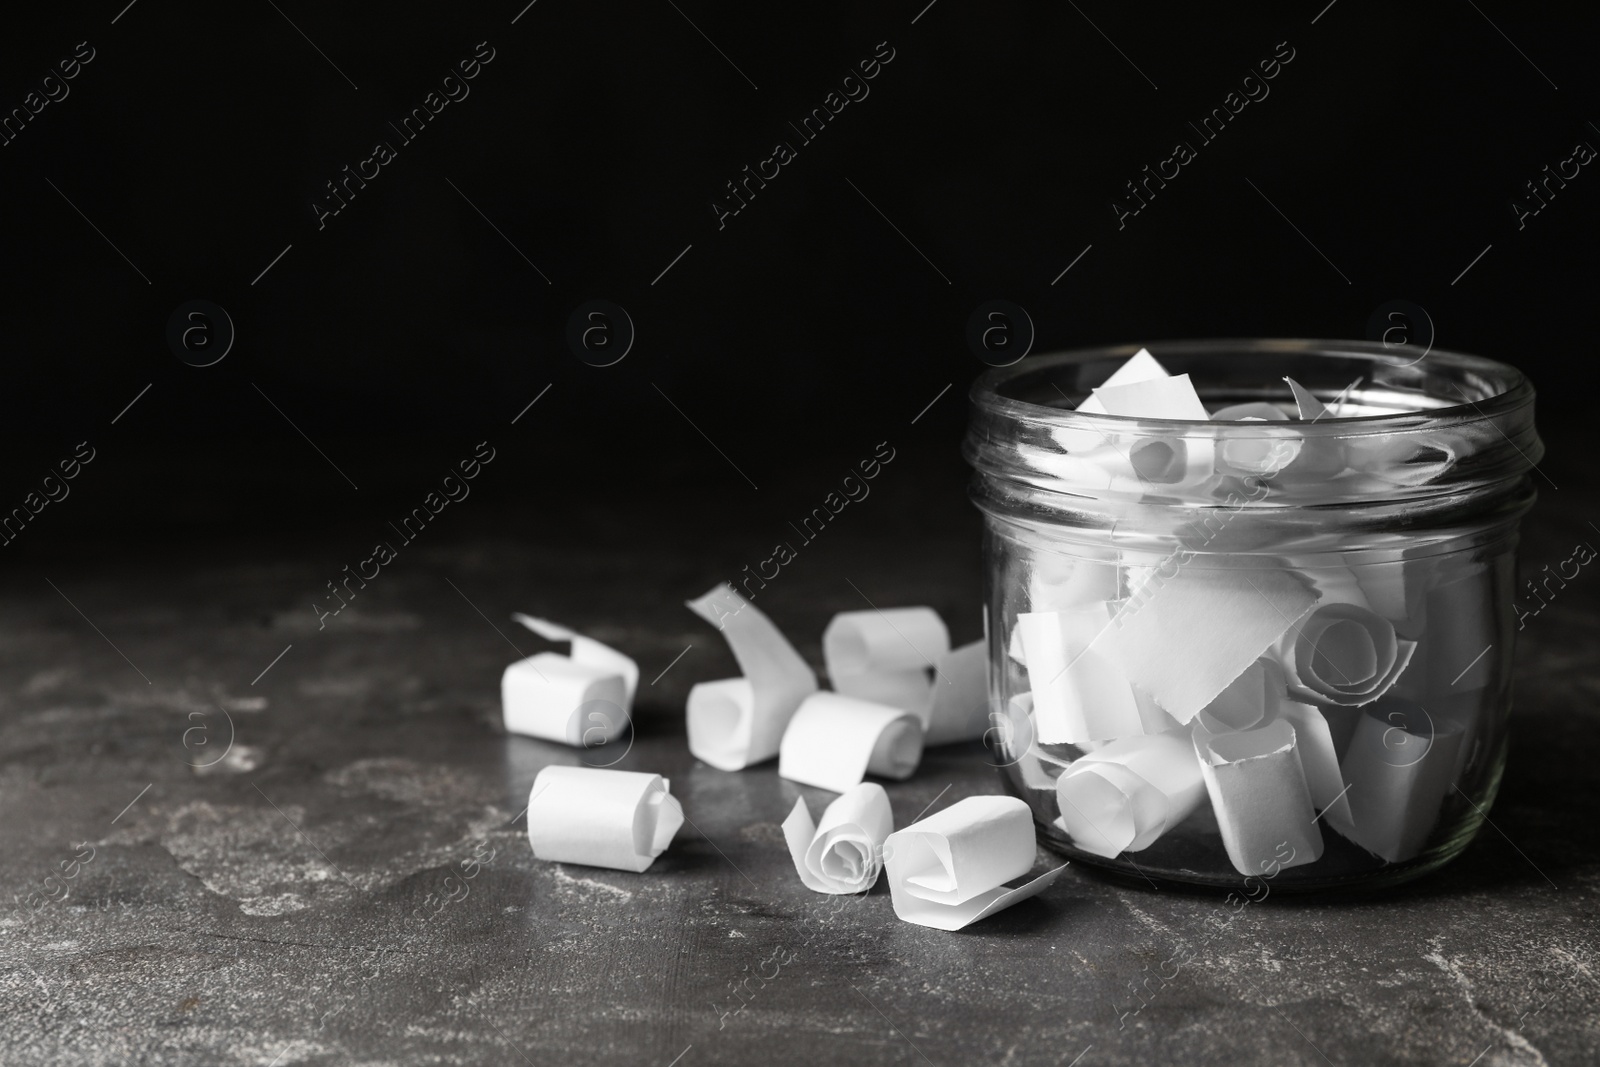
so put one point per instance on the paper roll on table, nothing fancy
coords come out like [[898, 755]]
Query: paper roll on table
[[736, 722], [843, 853], [584, 698], [601, 818], [834, 741], [949, 870], [902, 657]]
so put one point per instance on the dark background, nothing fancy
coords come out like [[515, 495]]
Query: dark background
[[796, 338]]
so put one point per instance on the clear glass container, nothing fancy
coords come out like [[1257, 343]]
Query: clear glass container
[[1260, 649]]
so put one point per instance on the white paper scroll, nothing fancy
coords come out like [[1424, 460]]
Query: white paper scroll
[[1184, 641], [1124, 795], [902, 657], [950, 869], [1079, 693], [583, 699], [834, 741], [1258, 697], [1401, 766], [843, 853], [1260, 797], [1306, 401], [1016, 742], [601, 818], [736, 722], [1255, 455], [1320, 457], [1343, 654]]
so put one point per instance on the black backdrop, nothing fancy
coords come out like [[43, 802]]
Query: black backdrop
[[584, 159]]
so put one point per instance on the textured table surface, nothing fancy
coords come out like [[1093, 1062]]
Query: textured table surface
[[299, 901]]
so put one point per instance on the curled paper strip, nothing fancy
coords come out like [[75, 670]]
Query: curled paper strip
[[1255, 455], [902, 657], [1258, 697], [843, 853], [1260, 797], [736, 722], [1187, 632], [1344, 654], [949, 870], [583, 699], [834, 741], [1140, 367], [1401, 765], [1124, 795], [601, 818], [1079, 693]]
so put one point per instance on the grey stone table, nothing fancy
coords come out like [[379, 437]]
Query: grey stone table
[[297, 896]]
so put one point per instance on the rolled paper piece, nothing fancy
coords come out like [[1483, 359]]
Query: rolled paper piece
[[959, 705], [601, 818], [1162, 460], [1343, 654], [583, 699], [1405, 461], [1013, 742], [1259, 696], [951, 869], [1260, 796], [1255, 455], [1188, 632], [1124, 795], [1319, 758], [894, 639], [736, 722], [834, 741], [902, 657], [1401, 765], [1458, 648], [844, 853], [1079, 694]]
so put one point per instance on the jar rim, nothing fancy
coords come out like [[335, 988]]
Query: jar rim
[[1503, 388], [1031, 449]]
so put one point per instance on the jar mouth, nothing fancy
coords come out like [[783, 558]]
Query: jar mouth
[[1405, 428], [1440, 385]]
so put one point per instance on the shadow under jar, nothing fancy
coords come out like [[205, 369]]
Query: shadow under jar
[[1262, 652]]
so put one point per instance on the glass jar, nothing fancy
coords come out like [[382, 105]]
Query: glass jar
[[1258, 648]]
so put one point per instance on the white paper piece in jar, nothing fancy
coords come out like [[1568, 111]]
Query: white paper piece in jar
[[1016, 744], [601, 818], [1320, 457], [834, 741], [1263, 455], [1457, 646], [580, 699], [902, 657], [1310, 408], [843, 853], [1124, 795], [1079, 694], [1343, 654], [1260, 797], [1401, 766], [736, 722], [1257, 697], [1140, 367], [1187, 638], [951, 869]]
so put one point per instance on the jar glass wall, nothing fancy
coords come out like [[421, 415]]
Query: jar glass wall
[[1261, 648]]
